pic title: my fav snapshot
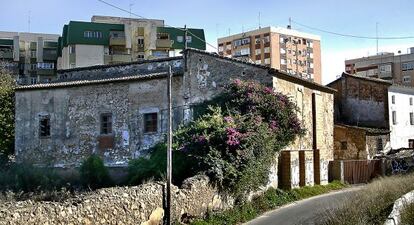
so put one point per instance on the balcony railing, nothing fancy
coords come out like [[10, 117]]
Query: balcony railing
[[120, 40], [6, 55], [163, 43]]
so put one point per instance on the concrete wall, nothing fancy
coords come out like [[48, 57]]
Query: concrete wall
[[402, 131], [89, 55]]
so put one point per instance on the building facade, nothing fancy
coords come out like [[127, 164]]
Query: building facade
[[287, 50], [110, 40], [119, 111], [401, 114], [397, 68], [31, 57]]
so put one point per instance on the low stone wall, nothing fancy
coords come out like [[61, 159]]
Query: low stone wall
[[120, 205], [395, 216]]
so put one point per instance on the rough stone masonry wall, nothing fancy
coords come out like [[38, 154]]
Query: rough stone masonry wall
[[119, 205]]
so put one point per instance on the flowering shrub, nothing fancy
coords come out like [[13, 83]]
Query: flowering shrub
[[235, 142]]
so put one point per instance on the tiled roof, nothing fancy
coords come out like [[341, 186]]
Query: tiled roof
[[377, 80], [120, 64], [370, 130], [271, 71], [91, 82]]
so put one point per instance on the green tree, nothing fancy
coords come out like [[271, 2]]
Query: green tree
[[7, 85]]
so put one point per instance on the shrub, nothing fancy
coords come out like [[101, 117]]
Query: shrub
[[7, 85], [235, 142], [94, 174], [154, 167]]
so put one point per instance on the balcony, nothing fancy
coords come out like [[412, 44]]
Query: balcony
[[163, 43], [6, 55], [49, 55], [384, 74], [120, 40], [121, 58], [46, 72]]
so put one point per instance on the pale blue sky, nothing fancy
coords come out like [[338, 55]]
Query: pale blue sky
[[395, 18]]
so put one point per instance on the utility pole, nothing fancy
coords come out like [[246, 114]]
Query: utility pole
[[185, 37], [376, 32], [169, 149], [259, 22]]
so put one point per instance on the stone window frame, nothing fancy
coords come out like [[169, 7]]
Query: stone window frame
[[110, 123], [150, 121], [46, 132], [150, 110]]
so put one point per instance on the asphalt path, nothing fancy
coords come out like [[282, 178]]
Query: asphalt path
[[307, 211]]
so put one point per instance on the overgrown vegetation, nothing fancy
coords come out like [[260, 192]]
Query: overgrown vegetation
[[407, 216], [373, 203], [7, 85], [94, 174], [235, 141], [269, 200]]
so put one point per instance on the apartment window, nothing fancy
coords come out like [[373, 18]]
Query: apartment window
[[267, 50], [394, 117], [189, 39], [72, 49], [141, 41], [283, 61], [411, 100], [163, 36], [45, 65], [310, 65], [289, 61], [33, 80], [407, 66], [140, 55], [379, 145], [92, 34], [236, 43], [228, 47], [221, 48], [258, 51], [245, 51], [44, 126], [282, 40], [180, 39], [411, 118], [106, 123], [407, 79], [258, 61], [257, 41], [245, 41], [266, 39], [150, 122], [267, 61], [393, 99], [344, 145]]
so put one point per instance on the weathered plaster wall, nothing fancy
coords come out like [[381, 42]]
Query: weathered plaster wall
[[75, 121], [355, 143], [372, 144], [120, 205]]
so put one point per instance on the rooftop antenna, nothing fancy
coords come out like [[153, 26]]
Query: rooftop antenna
[[376, 33], [259, 22], [28, 21], [130, 11], [229, 31], [290, 23]]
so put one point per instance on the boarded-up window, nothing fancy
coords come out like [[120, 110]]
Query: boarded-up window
[[44, 126], [150, 122], [106, 123]]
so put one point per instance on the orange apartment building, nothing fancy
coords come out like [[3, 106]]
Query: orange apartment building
[[287, 50]]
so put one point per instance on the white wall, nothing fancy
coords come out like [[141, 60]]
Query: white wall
[[402, 131], [89, 55]]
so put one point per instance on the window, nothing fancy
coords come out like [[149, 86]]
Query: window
[[258, 51], [411, 100], [92, 34], [257, 41], [236, 43], [411, 143], [344, 145], [106, 123], [180, 39], [394, 117], [150, 122], [266, 39], [258, 61], [44, 126], [393, 99], [282, 40], [407, 66], [41, 65], [189, 39], [411, 118], [163, 36], [379, 145], [228, 47], [267, 61], [245, 51], [33, 80], [283, 61], [72, 49], [141, 41], [407, 79], [267, 50], [220, 48], [245, 41]]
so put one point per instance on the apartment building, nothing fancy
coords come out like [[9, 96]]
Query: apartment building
[[111, 40], [31, 57], [397, 68], [287, 50]]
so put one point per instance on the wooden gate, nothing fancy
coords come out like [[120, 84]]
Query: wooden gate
[[355, 171]]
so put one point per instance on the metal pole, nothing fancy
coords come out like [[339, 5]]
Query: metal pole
[[169, 150], [185, 37]]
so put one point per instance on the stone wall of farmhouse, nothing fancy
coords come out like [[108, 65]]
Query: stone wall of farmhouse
[[120, 205]]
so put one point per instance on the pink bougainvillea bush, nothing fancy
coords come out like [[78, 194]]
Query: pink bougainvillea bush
[[235, 140]]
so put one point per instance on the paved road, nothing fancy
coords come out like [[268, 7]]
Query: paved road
[[304, 211]]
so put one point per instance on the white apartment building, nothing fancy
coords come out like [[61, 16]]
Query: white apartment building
[[401, 116]]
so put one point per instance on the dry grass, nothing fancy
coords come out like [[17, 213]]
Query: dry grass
[[373, 203], [407, 216]]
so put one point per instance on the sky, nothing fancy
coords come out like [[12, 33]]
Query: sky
[[219, 18]]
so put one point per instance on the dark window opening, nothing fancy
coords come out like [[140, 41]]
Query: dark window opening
[[44, 126], [106, 123], [150, 122], [344, 145], [411, 143], [379, 145]]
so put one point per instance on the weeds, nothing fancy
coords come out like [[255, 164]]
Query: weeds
[[407, 216]]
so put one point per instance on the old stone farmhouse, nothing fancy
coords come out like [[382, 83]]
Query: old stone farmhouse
[[119, 111]]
